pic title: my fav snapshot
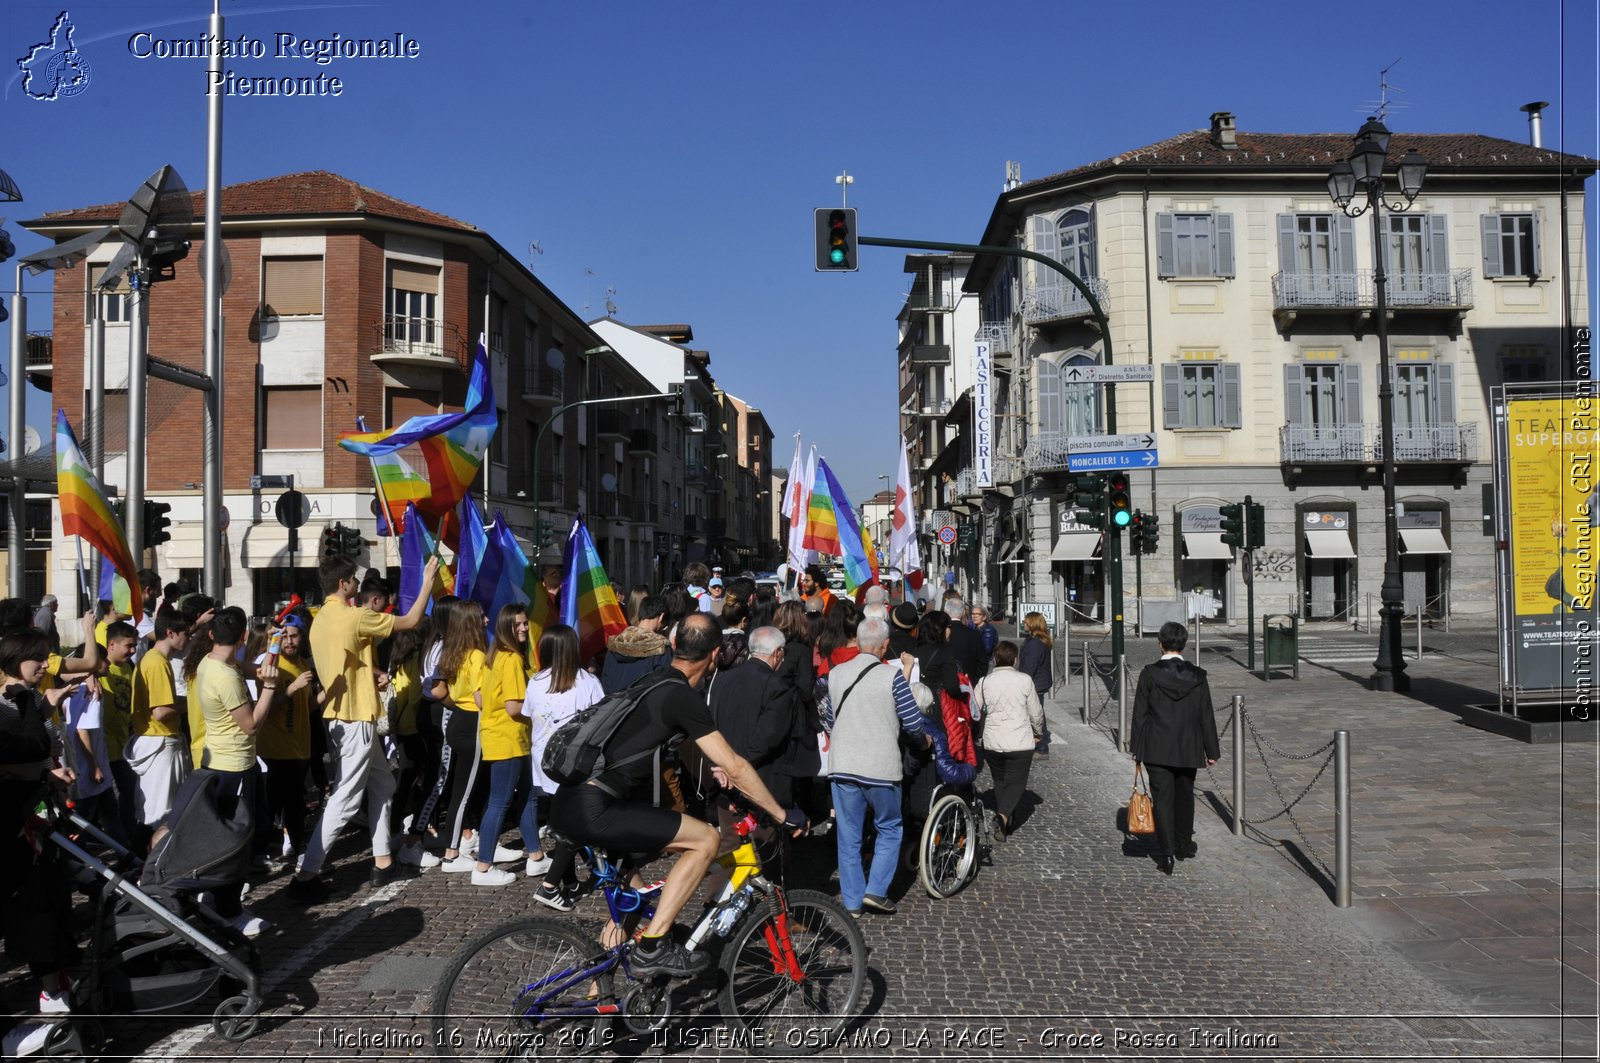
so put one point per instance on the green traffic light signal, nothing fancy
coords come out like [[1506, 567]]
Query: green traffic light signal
[[1119, 502], [835, 238]]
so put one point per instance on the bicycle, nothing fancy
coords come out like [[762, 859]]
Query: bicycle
[[954, 839], [792, 973]]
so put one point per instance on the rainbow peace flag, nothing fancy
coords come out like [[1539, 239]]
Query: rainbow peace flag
[[588, 603], [453, 444], [399, 485], [858, 570], [822, 514], [416, 546], [85, 511], [110, 587]]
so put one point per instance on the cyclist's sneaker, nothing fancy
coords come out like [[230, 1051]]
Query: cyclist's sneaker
[[668, 960], [882, 905], [560, 900], [998, 827]]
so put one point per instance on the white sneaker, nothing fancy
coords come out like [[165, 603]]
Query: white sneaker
[[250, 925], [288, 846], [538, 866], [414, 855], [459, 864], [54, 1003], [27, 1039], [503, 855], [495, 876]]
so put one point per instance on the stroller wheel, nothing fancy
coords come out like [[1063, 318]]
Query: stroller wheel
[[235, 1019]]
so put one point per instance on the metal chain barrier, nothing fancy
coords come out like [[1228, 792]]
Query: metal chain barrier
[[1288, 806]]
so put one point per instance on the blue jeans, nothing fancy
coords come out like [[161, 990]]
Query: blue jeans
[[507, 780], [851, 803]]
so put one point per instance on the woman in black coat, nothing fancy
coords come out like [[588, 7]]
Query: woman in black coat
[[802, 761], [1034, 660], [939, 669]]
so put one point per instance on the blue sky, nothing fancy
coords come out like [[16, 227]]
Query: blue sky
[[676, 150]]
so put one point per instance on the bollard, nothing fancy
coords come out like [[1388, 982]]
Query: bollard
[[1122, 707], [1419, 632], [1238, 765], [1085, 680], [1341, 819]]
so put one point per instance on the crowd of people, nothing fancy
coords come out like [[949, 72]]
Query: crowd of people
[[428, 728]]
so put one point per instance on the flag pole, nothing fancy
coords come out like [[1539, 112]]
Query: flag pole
[[83, 576]]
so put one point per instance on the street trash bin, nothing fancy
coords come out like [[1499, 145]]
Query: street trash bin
[[1280, 643]]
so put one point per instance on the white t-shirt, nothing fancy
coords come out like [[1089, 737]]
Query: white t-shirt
[[83, 715], [549, 711]]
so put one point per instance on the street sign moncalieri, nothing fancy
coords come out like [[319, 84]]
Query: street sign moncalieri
[[1096, 444], [1109, 374], [1122, 459]]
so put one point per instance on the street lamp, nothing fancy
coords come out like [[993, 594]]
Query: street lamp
[[1356, 186]]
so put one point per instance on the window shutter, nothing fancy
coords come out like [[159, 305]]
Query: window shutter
[[1229, 412], [1350, 384], [1166, 251], [293, 418], [1438, 243], [1048, 395], [1222, 249], [1492, 266], [1293, 381], [411, 278], [1042, 235], [1444, 392], [1172, 396], [1344, 239], [1286, 259], [1533, 267], [292, 287]]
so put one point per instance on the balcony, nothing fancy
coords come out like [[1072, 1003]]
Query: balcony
[[642, 512], [693, 525], [418, 341], [642, 443], [1045, 304], [1046, 453], [541, 385], [552, 491], [1422, 448], [605, 504], [611, 426], [1009, 470], [695, 472], [1356, 293], [997, 334], [923, 355], [40, 352]]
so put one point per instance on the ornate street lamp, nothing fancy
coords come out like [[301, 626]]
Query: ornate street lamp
[[1356, 186]]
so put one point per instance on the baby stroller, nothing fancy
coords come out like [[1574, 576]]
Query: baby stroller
[[153, 946]]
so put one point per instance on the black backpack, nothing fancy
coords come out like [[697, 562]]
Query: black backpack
[[576, 752]]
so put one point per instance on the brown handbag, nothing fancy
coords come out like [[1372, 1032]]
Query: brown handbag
[[1141, 813]]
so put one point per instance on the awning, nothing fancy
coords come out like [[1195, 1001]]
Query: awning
[[1206, 546], [186, 548], [1008, 551], [1324, 543], [1423, 541], [1076, 546], [267, 546]]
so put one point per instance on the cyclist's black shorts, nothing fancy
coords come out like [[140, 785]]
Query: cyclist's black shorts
[[589, 815]]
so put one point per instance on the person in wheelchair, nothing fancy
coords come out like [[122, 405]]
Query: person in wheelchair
[[929, 769]]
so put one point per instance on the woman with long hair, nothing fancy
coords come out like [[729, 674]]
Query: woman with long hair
[[431, 716], [735, 648], [940, 671], [559, 691], [630, 605], [413, 731], [459, 684], [802, 761], [1013, 721], [1033, 661], [506, 738]]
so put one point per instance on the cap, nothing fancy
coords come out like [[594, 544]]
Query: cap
[[294, 620], [904, 616], [716, 581]]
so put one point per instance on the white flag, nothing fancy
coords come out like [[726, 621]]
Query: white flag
[[903, 534], [796, 501]]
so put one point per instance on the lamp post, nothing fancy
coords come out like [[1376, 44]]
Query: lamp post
[[1357, 187]]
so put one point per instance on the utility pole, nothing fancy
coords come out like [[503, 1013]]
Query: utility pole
[[211, 521]]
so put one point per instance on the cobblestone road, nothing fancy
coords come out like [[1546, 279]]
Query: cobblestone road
[[1473, 934]]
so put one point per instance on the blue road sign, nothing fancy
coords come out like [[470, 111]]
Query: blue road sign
[[1120, 459]]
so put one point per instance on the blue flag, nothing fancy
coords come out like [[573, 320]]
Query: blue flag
[[470, 557], [502, 572], [416, 546]]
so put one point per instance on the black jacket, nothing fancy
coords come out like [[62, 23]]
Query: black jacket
[[1033, 660], [900, 641], [1174, 724], [967, 645], [754, 710], [801, 760], [938, 669]]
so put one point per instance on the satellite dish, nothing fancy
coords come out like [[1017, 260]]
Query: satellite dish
[[608, 483], [555, 358], [227, 268], [30, 440]]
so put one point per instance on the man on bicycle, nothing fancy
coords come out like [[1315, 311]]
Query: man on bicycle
[[613, 811]]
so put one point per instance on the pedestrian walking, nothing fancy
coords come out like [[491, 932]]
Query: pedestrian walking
[[157, 752], [555, 694], [1173, 734], [1013, 721], [507, 741], [463, 663], [1033, 660], [284, 740]]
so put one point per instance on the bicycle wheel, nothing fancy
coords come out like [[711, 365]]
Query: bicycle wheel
[[794, 1008], [491, 1002], [949, 847]]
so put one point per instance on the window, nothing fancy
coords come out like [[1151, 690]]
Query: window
[[292, 419], [1201, 395], [1066, 409], [1194, 245], [1322, 394], [497, 323], [412, 311], [1075, 242], [1417, 256], [1518, 365], [113, 304], [292, 287], [1511, 245]]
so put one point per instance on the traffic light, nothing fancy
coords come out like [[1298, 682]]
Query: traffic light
[[330, 542], [1233, 524], [1090, 501], [7, 249], [836, 239], [157, 525], [349, 541], [1256, 524], [1119, 504], [1150, 533], [1136, 533], [546, 532]]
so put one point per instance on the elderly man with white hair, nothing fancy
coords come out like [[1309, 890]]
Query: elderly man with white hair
[[869, 705]]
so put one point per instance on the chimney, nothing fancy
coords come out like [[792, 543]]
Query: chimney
[[1535, 131], [1222, 132], [1013, 175]]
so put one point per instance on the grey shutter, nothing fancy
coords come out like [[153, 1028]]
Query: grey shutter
[[1492, 266], [1344, 241], [1229, 414], [1444, 392], [1438, 244], [1286, 260], [1171, 396], [1533, 267], [1166, 250], [1293, 383], [1042, 235], [1350, 384], [1222, 246], [1048, 395]]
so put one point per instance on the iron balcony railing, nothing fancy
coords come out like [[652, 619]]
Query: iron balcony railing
[[552, 489], [695, 472], [40, 349], [1043, 303], [1441, 441], [642, 512], [1357, 289], [1046, 453], [1009, 470], [540, 381], [997, 334], [425, 336]]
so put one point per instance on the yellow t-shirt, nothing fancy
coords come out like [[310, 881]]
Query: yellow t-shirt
[[52, 673], [152, 686], [342, 649], [218, 690], [116, 706], [286, 732], [468, 681], [500, 736], [100, 632], [195, 717], [407, 686]]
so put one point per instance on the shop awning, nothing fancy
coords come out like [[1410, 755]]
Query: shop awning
[[1324, 543], [1076, 546], [267, 546], [1423, 541], [186, 548], [1206, 546]]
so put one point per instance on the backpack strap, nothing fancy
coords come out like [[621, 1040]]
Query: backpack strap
[[653, 751], [837, 709]]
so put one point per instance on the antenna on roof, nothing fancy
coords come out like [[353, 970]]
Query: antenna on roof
[[587, 272], [1380, 107], [611, 302], [534, 251]]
